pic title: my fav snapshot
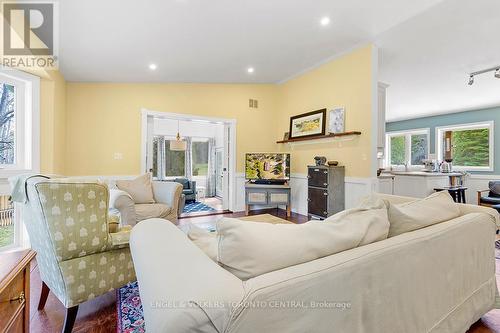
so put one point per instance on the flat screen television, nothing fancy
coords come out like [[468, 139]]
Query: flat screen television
[[267, 167]]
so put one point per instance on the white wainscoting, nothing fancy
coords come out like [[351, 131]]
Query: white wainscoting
[[476, 183], [355, 188]]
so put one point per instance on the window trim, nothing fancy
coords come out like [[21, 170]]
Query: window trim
[[29, 138], [407, 134], [490, 125]]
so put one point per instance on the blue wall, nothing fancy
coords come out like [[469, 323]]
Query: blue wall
[[454, 119]]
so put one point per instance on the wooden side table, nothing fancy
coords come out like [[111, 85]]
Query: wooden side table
[[456, 192], [15, 291]]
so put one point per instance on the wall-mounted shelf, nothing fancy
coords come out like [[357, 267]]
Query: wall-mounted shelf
[[327, 136]]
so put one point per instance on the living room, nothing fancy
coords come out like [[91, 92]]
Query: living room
[[250, 166]]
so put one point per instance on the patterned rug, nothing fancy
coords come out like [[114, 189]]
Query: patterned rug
[[128, 305], [129, 308], [197, 207]]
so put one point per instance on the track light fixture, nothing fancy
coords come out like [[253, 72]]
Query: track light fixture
[[471, 80], [496, 69]]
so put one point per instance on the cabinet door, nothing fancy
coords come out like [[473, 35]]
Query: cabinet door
[[255, 197], [318, 202], [317, 177], [278, 197]]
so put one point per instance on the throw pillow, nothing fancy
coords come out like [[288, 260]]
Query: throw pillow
[[205, 240], [248, 249], [410, 216], [140, 189]]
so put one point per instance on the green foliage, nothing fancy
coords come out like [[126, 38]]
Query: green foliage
[[471, 147], [397, 150], [6, 235], [418, 148]]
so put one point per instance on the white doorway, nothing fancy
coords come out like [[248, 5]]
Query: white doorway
[[215, 184]]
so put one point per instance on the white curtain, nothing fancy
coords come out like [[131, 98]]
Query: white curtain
[[188, 166], [211, 168], [160, 159]]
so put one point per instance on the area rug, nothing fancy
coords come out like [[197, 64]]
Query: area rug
[[129, 308], [197, 206]]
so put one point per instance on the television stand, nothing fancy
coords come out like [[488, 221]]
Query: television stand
[[267, 195]]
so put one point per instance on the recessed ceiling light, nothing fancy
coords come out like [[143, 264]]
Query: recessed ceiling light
[[250, 70], [153, 67], [325, 21]]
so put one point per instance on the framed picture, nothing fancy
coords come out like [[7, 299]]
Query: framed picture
[[336, 120], [308, 124]]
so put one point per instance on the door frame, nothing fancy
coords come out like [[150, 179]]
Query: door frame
[[146, 127]]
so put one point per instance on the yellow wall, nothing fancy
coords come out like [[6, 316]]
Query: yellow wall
[[53, 123], [347, 82], [104, 118]]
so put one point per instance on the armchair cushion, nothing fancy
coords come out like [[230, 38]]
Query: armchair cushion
[[187, 192], [148, 211], [120, 239], [494, 187], [490, 200], [140, 189]]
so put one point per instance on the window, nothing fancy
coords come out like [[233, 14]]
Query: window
[[7, 123], [409, 147], [469, 145], [200, 158], [19, 146], [174, 160]]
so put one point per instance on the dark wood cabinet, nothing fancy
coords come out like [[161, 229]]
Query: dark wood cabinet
[[326, 191]]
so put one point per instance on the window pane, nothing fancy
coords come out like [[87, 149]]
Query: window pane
[[471, 147], [155, 156], [6, 221], [418, 148], [174, 161], [200, 158], [7, 123], [397, 150]]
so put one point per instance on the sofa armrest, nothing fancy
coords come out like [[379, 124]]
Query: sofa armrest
[[192, 186], [468, 209], [122, 202], [179, 284], [168, 193]]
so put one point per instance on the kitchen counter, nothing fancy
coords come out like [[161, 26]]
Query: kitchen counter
[[418, 173]]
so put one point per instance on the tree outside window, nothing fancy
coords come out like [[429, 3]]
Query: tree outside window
[[7, 124], [200, 158]]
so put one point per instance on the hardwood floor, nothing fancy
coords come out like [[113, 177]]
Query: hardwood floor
[[99, 314]]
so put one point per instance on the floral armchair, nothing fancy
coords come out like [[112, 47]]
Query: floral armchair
[[68, 227]]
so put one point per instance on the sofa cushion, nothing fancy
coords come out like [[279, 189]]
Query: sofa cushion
[[205, 240], [149, 211], [140, 189], [248, 249], [436, 208], [184, 182], [494, 187]]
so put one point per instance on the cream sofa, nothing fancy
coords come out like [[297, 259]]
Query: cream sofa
[[437, 279]]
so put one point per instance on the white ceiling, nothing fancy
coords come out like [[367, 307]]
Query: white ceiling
[[426, 60], [216, 40]]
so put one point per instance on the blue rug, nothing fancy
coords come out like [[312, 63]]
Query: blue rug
[[197, 206]]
